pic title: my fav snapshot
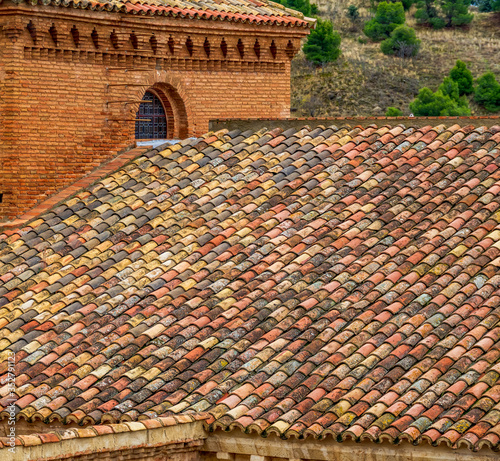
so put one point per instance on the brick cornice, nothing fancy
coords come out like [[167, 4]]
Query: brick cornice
[[162, 27], [147, 22]]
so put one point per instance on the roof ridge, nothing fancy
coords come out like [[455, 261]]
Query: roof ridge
[[246, 11]]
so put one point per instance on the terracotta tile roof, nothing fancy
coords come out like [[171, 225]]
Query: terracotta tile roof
[[251, 11], [332, 281]]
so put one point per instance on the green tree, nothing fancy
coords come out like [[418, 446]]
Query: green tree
[[403, 42], [488, 92], [456, 12], [444, 13], [304, 6], [352, 13], [463, 78], [450, 88], [439, 103], [323, 43], [406, 3], [486, 6], [388, 17], [427, 13], [393, 112]]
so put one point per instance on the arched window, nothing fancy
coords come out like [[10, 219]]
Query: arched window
[[151, 120]]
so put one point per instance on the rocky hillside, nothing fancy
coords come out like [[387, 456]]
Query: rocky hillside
[[363, 81]]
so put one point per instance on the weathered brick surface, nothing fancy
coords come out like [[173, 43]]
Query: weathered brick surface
[[69, 95]]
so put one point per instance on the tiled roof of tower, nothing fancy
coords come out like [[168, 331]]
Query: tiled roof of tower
[[333, 281], [253, 11]]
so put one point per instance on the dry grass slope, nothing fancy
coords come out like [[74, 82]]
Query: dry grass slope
[[365, 82]]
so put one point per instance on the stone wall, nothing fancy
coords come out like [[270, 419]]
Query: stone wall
[[237, 446], [71, 82]]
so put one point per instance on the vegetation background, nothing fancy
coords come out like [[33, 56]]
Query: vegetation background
[[364, 81]]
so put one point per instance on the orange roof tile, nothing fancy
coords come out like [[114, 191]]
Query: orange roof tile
[[251, 11]]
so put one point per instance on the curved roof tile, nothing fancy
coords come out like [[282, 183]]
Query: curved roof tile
[[240, 10]]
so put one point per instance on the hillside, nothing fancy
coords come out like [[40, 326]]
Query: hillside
[[363, 81]]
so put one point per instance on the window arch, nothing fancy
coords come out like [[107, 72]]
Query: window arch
[[151, 120], [164, 115]]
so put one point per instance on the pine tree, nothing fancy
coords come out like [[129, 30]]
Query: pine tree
[[444, 13], [450, 88], [352, 13], [403, 42], [444, 102], [427, 13], [304, 6], [323, 43], [456, 12], [488, 92], [463, 77], [486, 6], [388, 17]]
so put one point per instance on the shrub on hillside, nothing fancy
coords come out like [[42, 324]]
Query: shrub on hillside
[[304, 6], [388, 17], [444, 102], [403, 42], [463, 78], [450, 88], [352, 13], [427, 13], [456, 12], [406, 3], [393, 112], [488, 92], [485, 6], [449, 14], [323, 43]]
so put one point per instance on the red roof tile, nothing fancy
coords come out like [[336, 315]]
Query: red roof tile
[[262, 12]]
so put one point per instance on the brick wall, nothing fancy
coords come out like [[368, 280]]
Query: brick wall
[[71, 81]]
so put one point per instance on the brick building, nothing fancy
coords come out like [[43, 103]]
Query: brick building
[[73, 76]]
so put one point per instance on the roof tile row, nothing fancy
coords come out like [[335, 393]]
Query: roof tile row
[[248, 11]]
